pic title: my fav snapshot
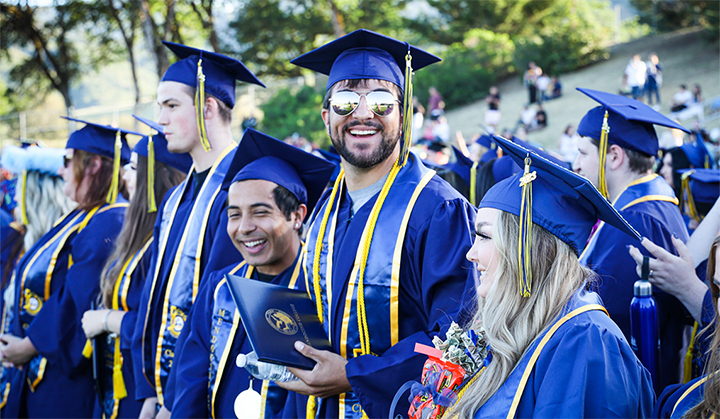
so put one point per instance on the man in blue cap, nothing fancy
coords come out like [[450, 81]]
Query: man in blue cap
[[380, 273], [617, 151], [196, 96], [272, 187]]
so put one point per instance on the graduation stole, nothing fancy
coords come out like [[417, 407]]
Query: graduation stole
[[224, 329], [36, 275], [647, 188], [184, 278], [377, 291], [505, 401], [113, 377]]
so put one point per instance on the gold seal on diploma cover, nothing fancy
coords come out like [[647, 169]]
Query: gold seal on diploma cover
[[281, 321]]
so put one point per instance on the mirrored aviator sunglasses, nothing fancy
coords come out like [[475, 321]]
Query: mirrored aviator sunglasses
[[380, 102]]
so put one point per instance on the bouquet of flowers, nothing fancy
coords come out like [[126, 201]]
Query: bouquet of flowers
[[450, 365]]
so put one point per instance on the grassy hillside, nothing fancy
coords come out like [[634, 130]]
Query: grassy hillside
[[686, 58]]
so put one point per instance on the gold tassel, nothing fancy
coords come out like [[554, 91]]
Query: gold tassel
[[687, 369], [119, 390], [525, 239], [473, 184], [152, 206], [113, 192], [23, 200], [688, 197], [603, 155], [407, 112], [200, 107], [88, 349]]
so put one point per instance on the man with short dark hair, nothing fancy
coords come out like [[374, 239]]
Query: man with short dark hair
[[386, 249], [187, 235], [620, 132], [271, 186]]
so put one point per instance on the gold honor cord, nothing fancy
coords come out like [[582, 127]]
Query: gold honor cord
[[152, 205], [113, 192], [525, 239], [687, 194], [200, 107], [603, 155]]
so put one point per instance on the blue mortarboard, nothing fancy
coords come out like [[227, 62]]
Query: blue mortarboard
[[260, 156], [364, 54], [504, 167], [220, 71], [562, 202], [486, 141], [630, 122], [699, 186], [697, 153], [100, 139], [180, 161]]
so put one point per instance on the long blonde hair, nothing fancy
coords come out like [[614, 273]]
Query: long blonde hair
[[512, 322], [710, 405]]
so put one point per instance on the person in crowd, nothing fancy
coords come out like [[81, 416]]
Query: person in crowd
[[568, 144], [152, 172], [617, 153], [376, 302], [272, 189], [653, 82], [57, 279], [682, 99], [636, 72], [530, 79], [493, 115], [187, 237], [554, 351], [435, 102]]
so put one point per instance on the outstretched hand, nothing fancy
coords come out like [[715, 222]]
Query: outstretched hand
[[326, 379]]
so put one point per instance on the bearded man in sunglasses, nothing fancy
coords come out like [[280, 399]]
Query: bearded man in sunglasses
[[386, 247]]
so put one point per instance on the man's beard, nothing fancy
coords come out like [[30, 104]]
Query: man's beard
[[377, 156]]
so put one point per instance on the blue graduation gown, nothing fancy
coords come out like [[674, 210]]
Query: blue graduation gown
[[586, 370], [191, 398], [66, 388], [674, 402], [607, 255], [434, 278], [217, 252], [128, 295]]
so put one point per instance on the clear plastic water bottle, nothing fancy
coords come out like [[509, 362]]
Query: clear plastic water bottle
[[264, 370]]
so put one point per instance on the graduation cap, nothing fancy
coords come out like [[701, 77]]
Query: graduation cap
[[699, 187], [623, 121], [551, 196], [697, 153], [106, 141], [207, 71], [154, 147], [365, 54], [260, 156]]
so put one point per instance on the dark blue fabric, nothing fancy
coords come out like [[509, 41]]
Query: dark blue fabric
[[218, 251], [657, 221], [437, 282], [56, 331]]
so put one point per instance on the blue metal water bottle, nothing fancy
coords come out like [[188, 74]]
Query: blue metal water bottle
[[644, 336]]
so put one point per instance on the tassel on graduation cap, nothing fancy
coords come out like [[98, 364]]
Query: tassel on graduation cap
[[603, 155], [525, 239], [688, 197], [113, 192], [407, 111], [152, 205], [200, 107]]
